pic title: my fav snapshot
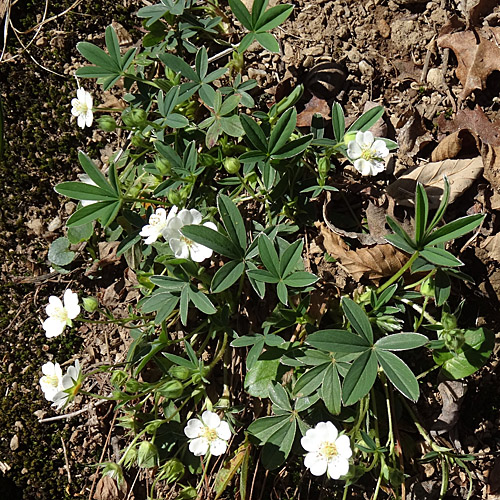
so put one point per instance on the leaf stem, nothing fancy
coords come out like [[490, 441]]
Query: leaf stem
[[400, 273]]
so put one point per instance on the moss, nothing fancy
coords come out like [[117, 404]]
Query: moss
[[41, 147]]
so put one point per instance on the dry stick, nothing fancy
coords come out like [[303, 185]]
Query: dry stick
[[103, 452], [253, 480], [425, 69], [66, 460], [132, 487], [74, 413]]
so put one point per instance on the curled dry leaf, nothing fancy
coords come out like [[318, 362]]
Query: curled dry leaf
[[486, 134], [373, 262], [478, 55], [460, 173], [107, 489], [449, 147], [452, 394], [315, 105]]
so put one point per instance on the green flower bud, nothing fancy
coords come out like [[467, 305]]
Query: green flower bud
[[449, 321], [114, 471], [132, 385], [138, 141], [454, 339], [324, 166], [147, 455], [187, 493], [118, 378], [90, 304], [171, 471], [174, 197], [180, 372], [106, 123], [232, 165], [134, 117], [163, 165], [428, 287], [349, 137], [153, 426], [171, 389]]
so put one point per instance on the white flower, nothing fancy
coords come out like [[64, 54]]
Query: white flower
[[157, 224], [60, 315], [51, 382], [82, 108], [87, 180], [367, 153], [327, 451], [208, 433], [70, 386], [183, 247]]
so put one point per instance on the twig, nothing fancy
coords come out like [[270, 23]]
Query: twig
[[133, 484], [425, 69], [72, 414], [66, 460]]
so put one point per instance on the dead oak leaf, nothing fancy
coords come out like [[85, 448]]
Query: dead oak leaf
[[461, 174], [315, 105], [373, 263], [477, 53]]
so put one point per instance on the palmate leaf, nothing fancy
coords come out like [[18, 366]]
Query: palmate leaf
[[421, 213], [93, 172], [440, 257], [254, 133], [273, 17], [331, 390], [401, 341], [241, 13], [268, 255], [338, 121], [279, 445], [282, 130], [227, 276], [83, 191], [366, 120], [338, 341], [454, 229], [212, 239], [106, 211]]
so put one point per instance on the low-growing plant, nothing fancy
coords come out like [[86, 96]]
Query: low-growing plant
[[209, 201]]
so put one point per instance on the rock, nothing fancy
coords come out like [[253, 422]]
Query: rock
[[435, 77], [308, 62], [366, 69], [14, 443], [55, 224], [69, 207], [354, 55]]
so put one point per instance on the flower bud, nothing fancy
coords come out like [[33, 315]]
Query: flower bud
[[90, 304], [449, 321], [349, 137], [106, 123], [132, 385], [172, 470], [138, 141], [174, 197], [324, 166], [171, 389], [180, 372], [118, 378], [147, 455], [232, 165], [134, 117], [428, 287], [163, 165]]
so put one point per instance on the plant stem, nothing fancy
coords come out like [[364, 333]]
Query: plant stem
[[146, 200], [400, 273]]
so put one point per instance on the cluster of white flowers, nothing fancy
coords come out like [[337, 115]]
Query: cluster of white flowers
[[367, 153], [58, 388], [169, 226], [82, 108], [327, 452]]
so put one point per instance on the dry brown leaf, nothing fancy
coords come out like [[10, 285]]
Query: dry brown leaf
[[460, 173], [315, 105], [492, 245], [449, 147], [373, 262], [478, 55], [478, 8], [107, 489], [452, 395]]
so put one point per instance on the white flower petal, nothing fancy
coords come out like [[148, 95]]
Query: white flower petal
[[364, 139], [80, 94], [211, 225], [218, 447], [81, 121], [193, 428], [327, 430], [353, 150], [55, 306], [210, 419], [364, 167], [380, 149], [195, 216], [199, 252], [172, 213], [312, 440], [223, 431], [337, 467], [180, 249], [71, 304], [198, 446], [185, 217], [89, 118], [53, 327], [316, 463], [343, 445]]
